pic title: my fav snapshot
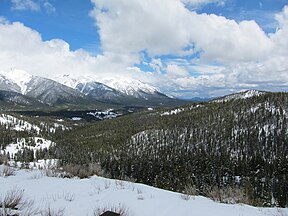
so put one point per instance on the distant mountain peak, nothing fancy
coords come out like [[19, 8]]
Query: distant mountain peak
[[129, 86], [71, 80], [19, 77]]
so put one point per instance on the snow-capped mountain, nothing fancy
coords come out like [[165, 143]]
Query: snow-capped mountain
[[127, 86], [100, 91], [240, 95], [116, 90], [81, 90], [19, 77], [45, 90], [130, 86], [72, 81], [51, 92], [7, 84]]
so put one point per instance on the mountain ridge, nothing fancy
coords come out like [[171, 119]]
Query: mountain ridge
[[66, 89]]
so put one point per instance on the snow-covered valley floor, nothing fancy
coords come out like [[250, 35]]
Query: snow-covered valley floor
[[84, 196]]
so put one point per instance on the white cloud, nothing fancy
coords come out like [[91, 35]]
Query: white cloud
[[3, 20], [49, 58], [49, 8], [33, 5], [160, 29], [176, 71], [25, 5]]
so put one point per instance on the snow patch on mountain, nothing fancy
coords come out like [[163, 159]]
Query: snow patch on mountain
[[17, 124], [72, 81], [101, 115], [240, 95], [32, 143], [129, 86], [19, 77], [173, 112]]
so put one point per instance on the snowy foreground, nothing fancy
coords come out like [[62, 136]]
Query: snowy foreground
[[83, 197]]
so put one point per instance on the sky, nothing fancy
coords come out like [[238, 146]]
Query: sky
[[185, 48]]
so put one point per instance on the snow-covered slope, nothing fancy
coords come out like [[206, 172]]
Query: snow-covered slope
[[75, 197], [8, 85], [100, 91], [32, 143], [19, 77], [240, 95], [130, 86], [72, 81], [51, 92], [17, 124]]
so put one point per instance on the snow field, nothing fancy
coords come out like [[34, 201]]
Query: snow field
[[82, 196]]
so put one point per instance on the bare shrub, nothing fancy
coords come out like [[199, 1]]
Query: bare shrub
[[140, 197], [52, 212], [185, 196], [69, 197], [120, 184], [7, 171], [13, 202], [107, 184], [280, 212], [51, 173], [127, 178], [190, 190], [230, 195], [12, 199], [3, 159], [119, 209], [83, 171], [36, 176]]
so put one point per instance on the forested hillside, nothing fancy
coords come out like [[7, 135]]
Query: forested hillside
[[238, 144]]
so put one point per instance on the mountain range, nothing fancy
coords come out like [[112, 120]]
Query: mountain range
[[67, 89]]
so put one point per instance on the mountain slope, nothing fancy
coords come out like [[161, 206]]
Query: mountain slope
[[101, 92], [20, 78], [8, 85], [45, 90], [240, 95], [240, 143], [51, 92], [131, 87], [10, 99]]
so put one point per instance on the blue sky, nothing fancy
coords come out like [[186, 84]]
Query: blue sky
[[170, 45]]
